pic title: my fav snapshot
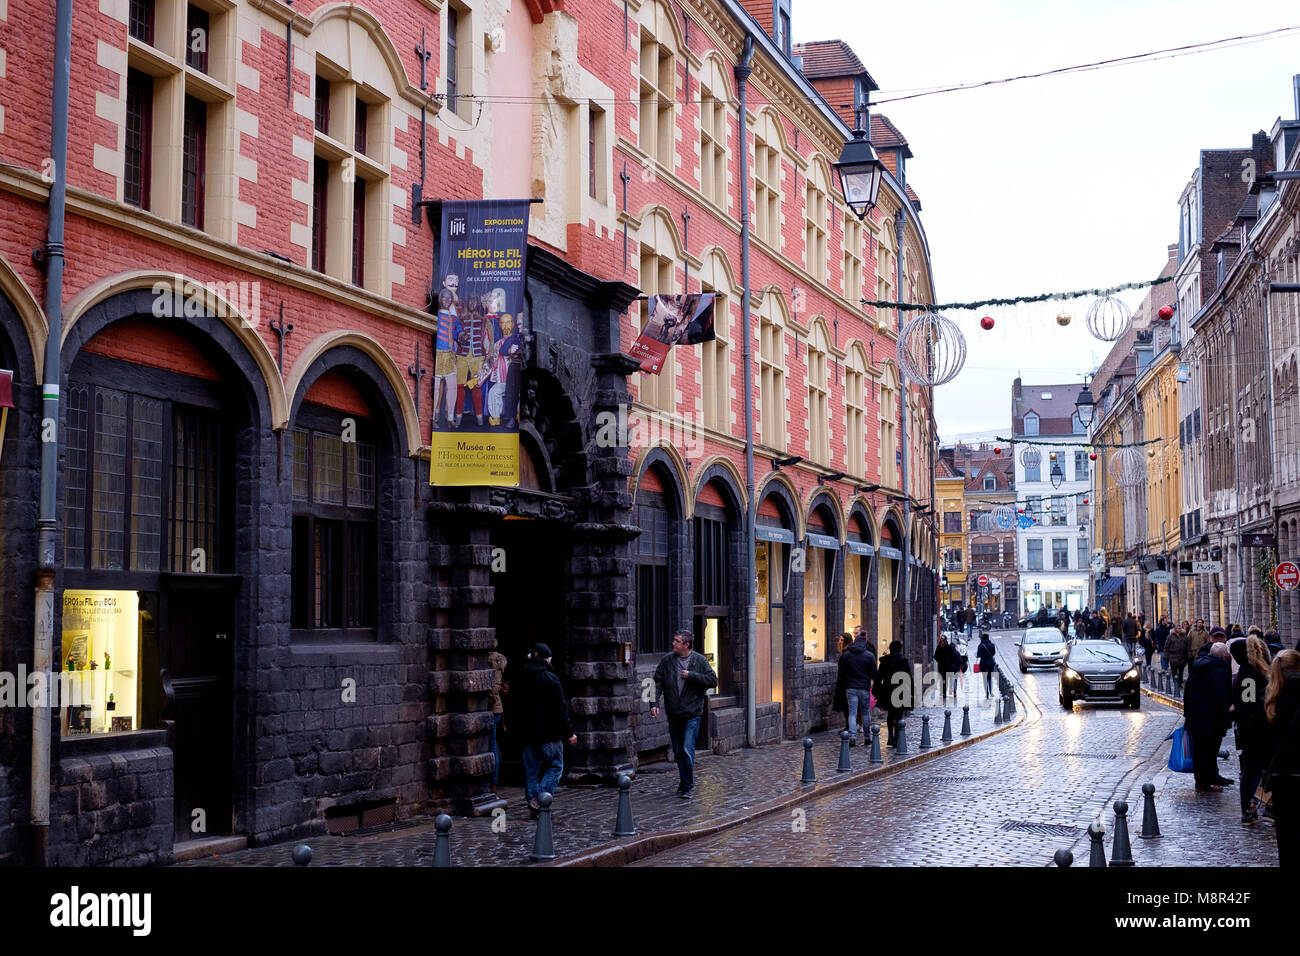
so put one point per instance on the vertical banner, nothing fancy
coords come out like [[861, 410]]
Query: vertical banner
[[478, 345], [673, 320]]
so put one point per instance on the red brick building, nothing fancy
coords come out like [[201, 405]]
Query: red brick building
[[294, 625]]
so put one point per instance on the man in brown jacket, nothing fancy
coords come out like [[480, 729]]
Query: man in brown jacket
[[1197, 639]]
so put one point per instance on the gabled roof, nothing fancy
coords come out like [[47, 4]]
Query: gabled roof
[[1055, 414], [831, 58], [885, 135]]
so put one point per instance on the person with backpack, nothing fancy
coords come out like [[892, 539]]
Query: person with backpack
[[986, 657]]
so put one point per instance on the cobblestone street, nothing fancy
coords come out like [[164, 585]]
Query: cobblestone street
[[1013, 800]]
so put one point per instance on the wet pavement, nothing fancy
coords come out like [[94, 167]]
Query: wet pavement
[[1013, 800], [727, 789]]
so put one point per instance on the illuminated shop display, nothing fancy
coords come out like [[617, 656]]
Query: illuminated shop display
[[100, 662]]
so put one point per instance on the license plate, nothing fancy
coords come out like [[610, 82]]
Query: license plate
[[1109, 686]]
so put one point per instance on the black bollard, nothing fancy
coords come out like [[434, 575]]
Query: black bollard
[[997, 710], [1063, 858], [926, 744], [946, 736], [1121, 853], [442, 843], [965, 720], [1150, 825], [543, 842], [302, 854], [1097, 833], [1011, 705], [809, 775], [623, 821], [875, 745], [900, 745], [844, 766]]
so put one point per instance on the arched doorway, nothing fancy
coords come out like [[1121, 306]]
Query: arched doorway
[[823, 592], [889, 584], [778, 596], [716, 541], [859, 596]]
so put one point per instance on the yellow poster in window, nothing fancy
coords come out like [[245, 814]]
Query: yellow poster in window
[[98, 668]]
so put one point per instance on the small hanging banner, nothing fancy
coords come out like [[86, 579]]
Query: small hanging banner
[[673, 320], [478, 345]]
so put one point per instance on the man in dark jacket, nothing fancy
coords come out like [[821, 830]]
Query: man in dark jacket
[[857, 669], [682, 681], [947, 659], [1130, 631], [544, 723], [894, 681], [970, 618], [1283, 774], [986, 656], [1206, 700]]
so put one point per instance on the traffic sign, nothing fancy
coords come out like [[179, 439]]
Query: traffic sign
[[996, 587], [1287, 575], [983, 580]]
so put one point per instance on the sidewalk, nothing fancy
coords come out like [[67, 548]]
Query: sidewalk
[[728, 791]]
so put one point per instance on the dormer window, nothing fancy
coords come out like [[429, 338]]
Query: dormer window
[[782, 26], [990, 483], [1031, 424]]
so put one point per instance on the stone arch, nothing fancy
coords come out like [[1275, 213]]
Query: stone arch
[[826, 497], [860, 507], [717, 256], [766, 122], [670, 461], [724, 472], [139, 293], [549, 413], [715, 74], [818, 337], [349, 355], [27, 309], [660, 19], [659, 231], [783, 490], [321, 23], [403, 405]]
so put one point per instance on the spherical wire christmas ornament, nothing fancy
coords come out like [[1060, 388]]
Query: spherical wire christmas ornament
[[932, 349], [985, 522], [1109, 318], [1004, 516], [1031, 457], [1128, 467]]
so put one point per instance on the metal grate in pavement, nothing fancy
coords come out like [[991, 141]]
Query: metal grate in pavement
[[1088, 756], [1042, 829], [382, 828], [955, 779]]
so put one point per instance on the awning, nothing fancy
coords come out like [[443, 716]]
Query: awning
[[822, 541], [861, 547], [887, 552], [1109, 587], [779, 535]]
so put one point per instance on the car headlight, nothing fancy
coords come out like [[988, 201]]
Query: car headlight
[[1132, 673], [1071, 674]]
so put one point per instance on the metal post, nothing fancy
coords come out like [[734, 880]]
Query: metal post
[[809, 773], [900, 220], [53, 259], [442, 845], [743, 69]]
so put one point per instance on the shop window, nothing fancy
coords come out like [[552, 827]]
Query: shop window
[[335, 528], [98, 683], [652, 603], [817, 583]]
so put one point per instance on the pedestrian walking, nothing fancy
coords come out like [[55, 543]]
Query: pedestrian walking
[[894, 686], [948, 661], [986, 657], [1206, 702], [1148, 646], [1129, 632], [682, 681], [970, 619], [545, 715], [1175, 653], [1158, 639], [1197, 638], [840, 699], [499, 688], [1282, 778], [1249, 689], [857, 671]]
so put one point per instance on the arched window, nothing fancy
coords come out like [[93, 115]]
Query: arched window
[[889, 460], [658, 85], [1031, 424], [815, 206], [715, 356], [767, 179], [852, 271], [713, 134], [819, 449], [772, 372], [855, 411]]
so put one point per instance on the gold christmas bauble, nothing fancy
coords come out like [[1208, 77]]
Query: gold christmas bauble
[[1063, 319]]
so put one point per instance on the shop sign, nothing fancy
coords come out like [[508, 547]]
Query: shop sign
[[779, 535], [861, 547], [822, 541]]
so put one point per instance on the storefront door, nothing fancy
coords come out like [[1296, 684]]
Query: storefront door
[[769, 564], [198, 658]]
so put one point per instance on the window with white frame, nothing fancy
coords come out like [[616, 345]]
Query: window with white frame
[[658, 91], [656, 279], [815, 222], [715, 356], [771, 373], [852, 257], [351, 215], [713, 135], [889, 459], [819, 449], [178, 156], [855, 404], [767, 180]]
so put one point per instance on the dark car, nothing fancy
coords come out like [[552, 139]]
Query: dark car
[[1099, 671]]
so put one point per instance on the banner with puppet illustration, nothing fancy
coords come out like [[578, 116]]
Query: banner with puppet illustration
[[673, 320], [478, 345]]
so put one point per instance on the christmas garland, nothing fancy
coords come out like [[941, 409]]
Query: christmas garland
[[1044, 297]]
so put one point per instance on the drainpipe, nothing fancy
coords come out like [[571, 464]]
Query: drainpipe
[[52, 258], [743, 69]]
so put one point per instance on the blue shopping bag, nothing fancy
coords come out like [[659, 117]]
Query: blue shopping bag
[[1180, 752]]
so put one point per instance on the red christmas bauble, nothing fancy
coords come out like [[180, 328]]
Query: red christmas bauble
[[1166, 312], [997, 450], [1085, 501], [986, 323], [1093, 456]]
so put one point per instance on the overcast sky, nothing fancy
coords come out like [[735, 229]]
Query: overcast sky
[[1059, 183]]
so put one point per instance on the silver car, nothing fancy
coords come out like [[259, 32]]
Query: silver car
[[1041, 647]]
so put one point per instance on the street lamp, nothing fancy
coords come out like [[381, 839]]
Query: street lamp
[[1057, 475], [1086, 406], [860, 171]]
